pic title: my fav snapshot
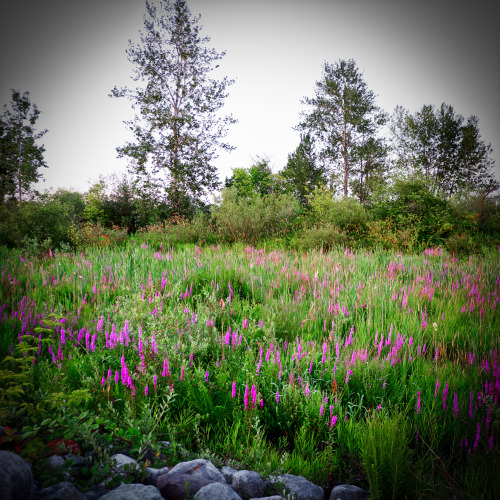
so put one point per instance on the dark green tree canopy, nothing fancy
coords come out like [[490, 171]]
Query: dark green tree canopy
[[341, 116], [302, 173], [178, 129], [443, 149], [21, 158]]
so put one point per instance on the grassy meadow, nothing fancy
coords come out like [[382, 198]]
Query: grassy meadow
[[371, 367]]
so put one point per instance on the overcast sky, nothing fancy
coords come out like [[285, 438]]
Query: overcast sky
[[70, 54]]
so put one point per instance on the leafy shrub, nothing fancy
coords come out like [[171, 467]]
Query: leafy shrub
[[347, 214], [89, 234], [460, 244], [34, 220], [390, 236], [325, 236], [254, 218]]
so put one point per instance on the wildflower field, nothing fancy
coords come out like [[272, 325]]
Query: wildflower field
[[373, 367]]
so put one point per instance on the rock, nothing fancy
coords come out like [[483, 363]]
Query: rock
[[95, 492], [348, 492], [216, 490], [228, 472], [201, 468], [16, 477], [119, 462], [248, 484], [179, 486], [272, 497], [55, 461], [133, 492], [60, 491], [154, 474], [300, 487]]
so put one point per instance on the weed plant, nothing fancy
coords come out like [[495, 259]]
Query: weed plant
[[370, 367]]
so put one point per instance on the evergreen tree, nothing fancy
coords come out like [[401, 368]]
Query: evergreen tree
[[302, 173], [179, 128], [342, 113], [20, 156]]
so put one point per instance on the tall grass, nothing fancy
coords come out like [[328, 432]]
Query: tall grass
[[371, 367]]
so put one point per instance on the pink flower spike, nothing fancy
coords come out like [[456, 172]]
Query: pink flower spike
[[277, 396], [146, 390], [233, 390]]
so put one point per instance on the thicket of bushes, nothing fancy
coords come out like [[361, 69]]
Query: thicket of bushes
[[407, 217]]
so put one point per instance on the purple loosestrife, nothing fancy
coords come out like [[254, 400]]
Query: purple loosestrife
[[455, 405], [445, 395], [418, 402], [321, 409], [333, 421], [182, 372], [233, 389], [245, 397], [478, 435], [277, 396], [437, 388], [146, 390], [323, 358], [253, 392], [206, 376]]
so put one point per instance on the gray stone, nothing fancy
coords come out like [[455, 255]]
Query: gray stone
[[121, 461], [95, 492], [16, 477], [55, 461], [228, 472], [348, 492], [60, 491], [272, 497], [154, 474], [300, 487], [248, 484], [180, 486], [133, 492], [217, 491], [201, 468]]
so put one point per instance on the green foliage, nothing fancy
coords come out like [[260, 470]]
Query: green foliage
[[346, 214], [180, 127], [20, 156], [251, 220], [34, 220], [325, 236], [94, 235], [301, 173], [387, 458], [443, 151], [343, 116]]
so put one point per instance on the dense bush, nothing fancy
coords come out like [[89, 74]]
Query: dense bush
[[254, 218], [36, 221], [95, 235], [325, 236], [346, 214]]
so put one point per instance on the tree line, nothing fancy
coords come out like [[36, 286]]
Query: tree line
[[348, 145]]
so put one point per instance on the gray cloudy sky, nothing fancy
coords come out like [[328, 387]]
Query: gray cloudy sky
[[69, 55]]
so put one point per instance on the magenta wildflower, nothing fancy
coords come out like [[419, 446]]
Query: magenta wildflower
[[321, 409], [277, 396], [418, 402], [206, 376], [182, 372], [445, 395], [233, 389], [437, 388], [253, 393], [478, 435], [245, 397], [154, 381], [323, 358], [455, 404], [334, 420], [261, 403], [103, 381], [146, 390]]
